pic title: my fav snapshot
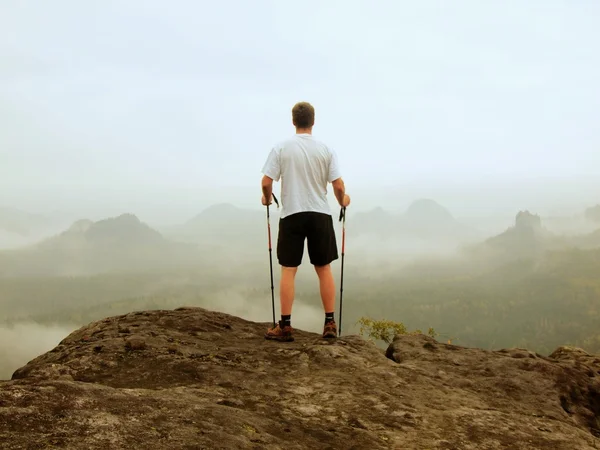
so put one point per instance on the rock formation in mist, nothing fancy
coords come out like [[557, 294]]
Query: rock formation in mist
[[192, 378], [527, 238], [528, 221]]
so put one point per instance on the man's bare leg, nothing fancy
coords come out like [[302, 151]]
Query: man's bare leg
[[286, 289], [283, 330], [327, 287]]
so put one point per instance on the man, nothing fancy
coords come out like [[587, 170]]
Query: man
[[304, 165]]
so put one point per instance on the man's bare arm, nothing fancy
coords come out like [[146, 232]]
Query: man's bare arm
[[339, 190], [267, 188]]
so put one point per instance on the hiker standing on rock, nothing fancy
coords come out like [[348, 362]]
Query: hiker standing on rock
[[304, 165]]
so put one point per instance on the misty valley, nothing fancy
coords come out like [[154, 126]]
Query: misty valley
[[534, 285]]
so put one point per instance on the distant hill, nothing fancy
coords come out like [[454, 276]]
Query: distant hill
[[428, 219], [226, 221], [120, 243], [237, 234], [125, 230], [241, 234], [424, 219], [427, 211]]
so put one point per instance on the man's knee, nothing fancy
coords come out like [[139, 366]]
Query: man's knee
[[289, 269], [322, 269]]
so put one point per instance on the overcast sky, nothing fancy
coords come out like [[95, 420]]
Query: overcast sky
[[155, 99]]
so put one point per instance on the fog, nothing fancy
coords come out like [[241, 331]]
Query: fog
[[132, 136], [423, 267], [420, 100], [233, 301], [23, 342]]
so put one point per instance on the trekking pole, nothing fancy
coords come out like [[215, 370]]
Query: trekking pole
[[271, 256], [343, 220]]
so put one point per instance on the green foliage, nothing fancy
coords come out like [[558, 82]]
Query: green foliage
[[386, 330]]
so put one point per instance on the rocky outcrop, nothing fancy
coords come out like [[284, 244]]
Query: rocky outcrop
[[192, 378], [525, 219], [526, 239]]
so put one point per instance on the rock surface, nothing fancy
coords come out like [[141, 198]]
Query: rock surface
[[192, 379]]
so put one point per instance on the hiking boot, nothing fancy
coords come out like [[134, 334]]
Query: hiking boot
[[330, 330], [280, 333]]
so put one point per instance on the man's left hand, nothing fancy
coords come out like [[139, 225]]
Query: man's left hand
[[264, 201]]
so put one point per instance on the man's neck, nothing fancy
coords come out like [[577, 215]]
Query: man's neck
[[304, 130]]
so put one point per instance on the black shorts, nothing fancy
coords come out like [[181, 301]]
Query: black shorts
[[317, 229]]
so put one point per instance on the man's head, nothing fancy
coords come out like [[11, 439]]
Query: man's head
[[303, 115]]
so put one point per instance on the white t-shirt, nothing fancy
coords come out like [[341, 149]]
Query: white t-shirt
[[305, 165]]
